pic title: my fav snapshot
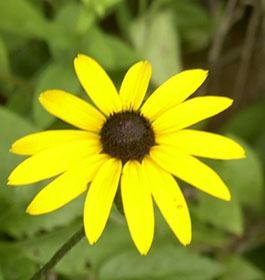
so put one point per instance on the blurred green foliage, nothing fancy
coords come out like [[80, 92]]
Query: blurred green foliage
[[38, 42]]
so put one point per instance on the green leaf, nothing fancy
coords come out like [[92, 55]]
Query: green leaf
[[194, 24], [157, 41], [237, 268], [83, 258], [28, 58], [14, 200], [55, 76], [18, 224], [124, 18], [21, 18], [247, 123], [20, 102], [225, 215], [100, 7], [73, 32], [68, 16], [163, 262], [117, 53], [40, 249], [4, 59], [244, 178], [12, 127], [1, 274], [190, 13], [123, 54], [85, 20], [205, 235], [65, 33], [15, 264]]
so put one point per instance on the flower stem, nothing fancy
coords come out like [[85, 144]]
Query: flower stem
[[67, 246]]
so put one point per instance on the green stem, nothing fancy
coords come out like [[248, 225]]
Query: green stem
[[67, 246]]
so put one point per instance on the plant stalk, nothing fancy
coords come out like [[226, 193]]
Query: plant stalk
[[66, 247]]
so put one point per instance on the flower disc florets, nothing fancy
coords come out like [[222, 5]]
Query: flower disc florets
[[127, 136]]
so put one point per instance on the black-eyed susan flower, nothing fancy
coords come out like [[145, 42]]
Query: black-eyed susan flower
[[124, 143]]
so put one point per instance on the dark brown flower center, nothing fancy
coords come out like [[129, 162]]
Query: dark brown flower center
[[127, 136]]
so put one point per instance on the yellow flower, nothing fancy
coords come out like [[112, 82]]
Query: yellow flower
[[122, 143]]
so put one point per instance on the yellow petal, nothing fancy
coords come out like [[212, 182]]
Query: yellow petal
[[100, 198], [190, 112], [202, 144], [174, 91], [97, 84], [169, 199], [190, 170], [138, 205], [134, 85], [51, 162], [37, 142], [66, 187], [72, 109]]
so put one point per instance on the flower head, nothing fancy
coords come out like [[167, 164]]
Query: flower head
[[124, 144]]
